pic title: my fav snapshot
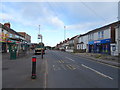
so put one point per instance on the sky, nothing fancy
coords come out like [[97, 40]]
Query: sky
[[78, 17]]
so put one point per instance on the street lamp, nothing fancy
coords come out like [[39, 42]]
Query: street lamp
[[64, 32], [39, 29], [39, 35], [64, 36]]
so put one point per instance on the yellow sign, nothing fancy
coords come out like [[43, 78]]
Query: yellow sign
[[3, 37]]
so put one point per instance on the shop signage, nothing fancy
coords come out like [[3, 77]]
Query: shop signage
[[3, 37], [97, 41], [100, 41]]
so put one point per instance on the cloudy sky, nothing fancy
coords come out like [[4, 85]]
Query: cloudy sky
[[78, 17]]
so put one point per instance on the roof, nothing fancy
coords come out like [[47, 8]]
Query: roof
[[21, 33], [9, 30], [73, 37], [104, 27]]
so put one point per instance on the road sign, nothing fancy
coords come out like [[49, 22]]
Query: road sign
[[39, 36]]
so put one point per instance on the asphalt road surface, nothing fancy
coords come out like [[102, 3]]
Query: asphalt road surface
[[59, 70]]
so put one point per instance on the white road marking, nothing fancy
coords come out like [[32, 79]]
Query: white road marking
[[54, 67], [97, 72], [98, 62], [69, 58]]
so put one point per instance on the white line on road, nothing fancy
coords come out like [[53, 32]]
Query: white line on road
[[69, 58], [97, 72], [54, 67], [98, 62]]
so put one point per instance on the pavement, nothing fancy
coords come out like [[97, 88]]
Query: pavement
[[58, 70], [103, 58], [17, 73]]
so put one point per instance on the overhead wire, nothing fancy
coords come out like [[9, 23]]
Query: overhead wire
[[52, 8], [92, 10]]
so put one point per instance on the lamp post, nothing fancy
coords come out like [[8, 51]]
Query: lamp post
[[39, 29], [64, 32], [64, 36], [40, 37]]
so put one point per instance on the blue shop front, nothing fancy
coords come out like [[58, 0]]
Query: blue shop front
[[99, 46]]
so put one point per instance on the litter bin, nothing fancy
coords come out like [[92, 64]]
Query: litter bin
[[13, 54]]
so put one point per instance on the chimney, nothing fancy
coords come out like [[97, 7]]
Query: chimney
[[67, 39], [7, 24]]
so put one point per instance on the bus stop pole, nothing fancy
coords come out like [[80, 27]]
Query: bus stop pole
[[42, 49]]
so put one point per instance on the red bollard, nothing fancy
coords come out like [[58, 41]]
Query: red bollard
[[33, 68]]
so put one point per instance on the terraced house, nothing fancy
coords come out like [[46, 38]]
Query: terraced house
[[9, 39], [101, 40]]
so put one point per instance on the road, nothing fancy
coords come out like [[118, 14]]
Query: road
[[59, 70]]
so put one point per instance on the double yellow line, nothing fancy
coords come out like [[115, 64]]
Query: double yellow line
[[71, 67], [61, 61], [68, 66]]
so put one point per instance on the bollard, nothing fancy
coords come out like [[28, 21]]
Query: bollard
[[42, 54], [33, 68]]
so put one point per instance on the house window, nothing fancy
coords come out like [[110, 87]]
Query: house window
[[89, 36], [93, 36], [81, 39], [78, 46], [102, 34], [98, 34]]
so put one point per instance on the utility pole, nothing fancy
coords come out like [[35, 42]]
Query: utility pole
[[39, 29], [40, 37], [64, 32], [64, 36]]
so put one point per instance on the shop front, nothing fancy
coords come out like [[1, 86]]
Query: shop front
[[99, 46]]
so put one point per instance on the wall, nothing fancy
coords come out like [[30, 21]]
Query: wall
[[69, 50], [83, 39], [115, 53], [107, 34]]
